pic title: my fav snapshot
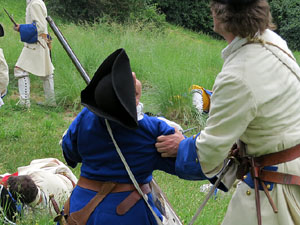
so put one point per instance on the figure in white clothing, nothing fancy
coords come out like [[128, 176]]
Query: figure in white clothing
[[35, 57], [259, 74], [34, 185], [4, 79]]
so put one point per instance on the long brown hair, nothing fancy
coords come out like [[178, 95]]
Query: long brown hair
[[244, 20]]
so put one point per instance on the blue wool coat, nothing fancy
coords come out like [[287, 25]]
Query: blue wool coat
[[88, 142]]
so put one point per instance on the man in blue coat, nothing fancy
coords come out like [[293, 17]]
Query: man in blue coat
[[105, 193]]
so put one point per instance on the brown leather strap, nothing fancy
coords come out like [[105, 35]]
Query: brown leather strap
[[263, 42], [65, 174], [81, 217], [47, 39], [279, 178], [43, 35], [54, 203], [278, 157], [260, 175], [255, 174], [95, 185], [275, 210], [131, 200], [67, 207], [102, 188]]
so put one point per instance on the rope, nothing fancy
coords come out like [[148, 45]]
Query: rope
[[263, 43], [132, 178]]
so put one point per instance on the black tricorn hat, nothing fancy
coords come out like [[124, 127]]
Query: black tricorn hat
[[1, 31], [235, 2], [111, 92]]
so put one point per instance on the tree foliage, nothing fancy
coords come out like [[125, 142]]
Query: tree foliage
[[120, 11], [194, 15], [286, 15]]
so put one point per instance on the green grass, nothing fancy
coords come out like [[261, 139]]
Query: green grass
[[167, 61]]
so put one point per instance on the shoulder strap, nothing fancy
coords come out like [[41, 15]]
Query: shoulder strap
[[262, 42], [265, 43]]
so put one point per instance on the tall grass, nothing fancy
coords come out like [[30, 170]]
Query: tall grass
[[167, 61]]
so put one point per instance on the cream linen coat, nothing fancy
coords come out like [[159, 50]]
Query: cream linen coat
[[34, 58], [256, 98], [48, 175], [3, 73]]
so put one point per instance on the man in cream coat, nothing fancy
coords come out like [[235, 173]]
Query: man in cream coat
[[35, 56], [255, 99], [3, 71]]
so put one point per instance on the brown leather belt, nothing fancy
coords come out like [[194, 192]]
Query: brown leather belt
[[256, 165], [66, 175], [95, 185], [103, 188], [278, 157], [46, 37]]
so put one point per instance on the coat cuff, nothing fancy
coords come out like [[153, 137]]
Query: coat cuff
[[187, 164], [188, 167]]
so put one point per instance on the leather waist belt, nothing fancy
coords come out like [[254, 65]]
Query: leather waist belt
[[247, 163], [279, 178], [256, 166], [103, 188], [274, 159], [278, 157], [48, 40], [44, 36], [95, 185]]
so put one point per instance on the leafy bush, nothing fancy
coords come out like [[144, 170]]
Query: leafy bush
[[286, 14], [194, 15], [121, 11]]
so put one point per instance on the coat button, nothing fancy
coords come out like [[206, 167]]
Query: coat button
[[196, 159], [248, 192], [268, 186], [244, 177]]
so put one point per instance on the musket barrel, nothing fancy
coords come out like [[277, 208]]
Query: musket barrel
[[11, 19], [68, 49]]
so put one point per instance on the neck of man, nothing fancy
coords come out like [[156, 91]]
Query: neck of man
[[228, 37]]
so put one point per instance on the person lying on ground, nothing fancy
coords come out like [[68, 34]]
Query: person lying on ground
[[35, 184]]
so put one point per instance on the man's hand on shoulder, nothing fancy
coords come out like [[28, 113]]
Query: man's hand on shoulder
[[168, 145]]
